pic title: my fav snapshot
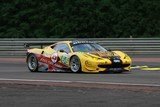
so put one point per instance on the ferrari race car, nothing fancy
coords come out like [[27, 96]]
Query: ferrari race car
[[77, 56]]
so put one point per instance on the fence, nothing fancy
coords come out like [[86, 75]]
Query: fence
[[14, 47]]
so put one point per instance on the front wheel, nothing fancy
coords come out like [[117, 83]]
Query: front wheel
[[75, 64], [32, 63]]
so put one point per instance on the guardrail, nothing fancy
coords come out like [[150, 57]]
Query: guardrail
[[14, 47]]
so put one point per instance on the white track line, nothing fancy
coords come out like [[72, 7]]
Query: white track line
[[83, 82]]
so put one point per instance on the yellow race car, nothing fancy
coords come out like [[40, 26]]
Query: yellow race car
[[77, 56]]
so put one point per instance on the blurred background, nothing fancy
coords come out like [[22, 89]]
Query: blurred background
[[79, 18]]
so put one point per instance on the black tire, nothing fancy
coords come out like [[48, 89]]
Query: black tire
[[32, 63], [75, 64], [118, 72]]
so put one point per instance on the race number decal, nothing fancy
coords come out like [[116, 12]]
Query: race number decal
[[65, 59], [54, 58]]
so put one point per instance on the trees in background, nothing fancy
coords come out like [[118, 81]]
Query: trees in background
[[79, 18]]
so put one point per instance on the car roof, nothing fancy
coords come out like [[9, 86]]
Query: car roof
[[75, 42], [63, 42]]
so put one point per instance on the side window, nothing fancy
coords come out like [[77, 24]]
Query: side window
[[62, 47]]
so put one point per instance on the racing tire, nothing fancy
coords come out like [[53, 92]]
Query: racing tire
[[32, 63], [75, 64], [118, 72]]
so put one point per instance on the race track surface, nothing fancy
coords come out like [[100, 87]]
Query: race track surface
[[19, 87], [15, 68]]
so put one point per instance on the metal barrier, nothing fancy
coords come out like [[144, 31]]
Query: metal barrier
[[14, 47]]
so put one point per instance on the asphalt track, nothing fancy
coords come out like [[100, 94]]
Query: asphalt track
[[19, 87], [15, 68]]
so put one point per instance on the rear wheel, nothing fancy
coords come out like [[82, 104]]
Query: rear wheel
[[32, 63], [75, 64]]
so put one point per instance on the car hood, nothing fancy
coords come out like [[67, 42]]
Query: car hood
[[107, 54]]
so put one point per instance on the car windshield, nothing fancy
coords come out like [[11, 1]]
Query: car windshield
[[87, 47]]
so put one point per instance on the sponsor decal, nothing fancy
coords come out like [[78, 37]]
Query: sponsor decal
[[46, 64], [116, 61], [51, 64], [54, 57], [81, 42], [45, 60]]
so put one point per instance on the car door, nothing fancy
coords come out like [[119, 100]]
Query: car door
[[62, 51]]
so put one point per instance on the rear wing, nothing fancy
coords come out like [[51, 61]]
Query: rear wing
[[35, 44]]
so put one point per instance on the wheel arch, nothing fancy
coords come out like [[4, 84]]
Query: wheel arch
[[28, 54]]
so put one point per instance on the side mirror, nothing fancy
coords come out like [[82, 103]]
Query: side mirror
[[109, 49], [61, 50]]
